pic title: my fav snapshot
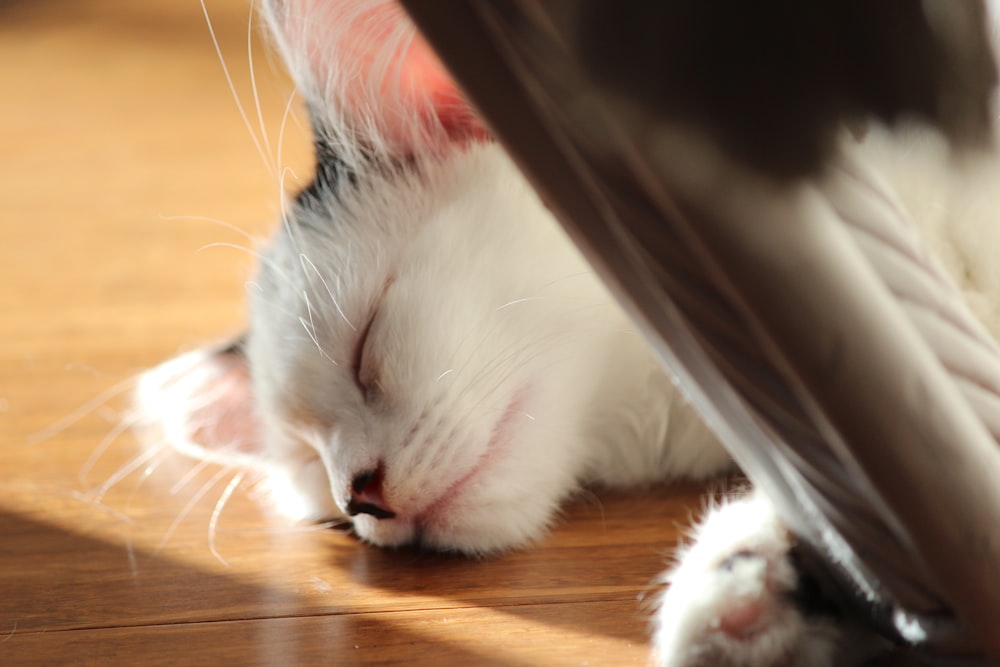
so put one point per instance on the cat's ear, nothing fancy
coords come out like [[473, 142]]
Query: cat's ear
[[201, 404], [369, 78]]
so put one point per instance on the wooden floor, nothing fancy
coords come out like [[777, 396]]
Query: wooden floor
[[120, 145]]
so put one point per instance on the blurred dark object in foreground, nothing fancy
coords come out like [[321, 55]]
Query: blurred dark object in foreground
[[774, 81], [691, 149]]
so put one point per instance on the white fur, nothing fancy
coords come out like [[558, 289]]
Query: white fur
[[505, 375], [489, 309]]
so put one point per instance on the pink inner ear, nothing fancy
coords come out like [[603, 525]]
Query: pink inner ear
[[226, 421], [201, 404], [374, 68], [416, 81], [425, 72]]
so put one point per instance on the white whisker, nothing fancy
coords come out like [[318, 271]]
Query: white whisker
[[232, 89], [288, 222], [253, 253], [311, 329], [146, 473], [215, 221], [217, 512], [285, 173], [124, 471], [107, 413], [312, 336], [234, 246], [80, 412], [192, 472], [281, 145], [96, 504], [103, 445], [201, 464], [253, 84], [188, 506], [305, 259]]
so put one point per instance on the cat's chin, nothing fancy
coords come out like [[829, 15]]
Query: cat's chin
[[397, 532], [472, 513], [465, 524], [469, 533]]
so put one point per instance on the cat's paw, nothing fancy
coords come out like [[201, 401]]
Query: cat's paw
[[300, 490], [736, 599]]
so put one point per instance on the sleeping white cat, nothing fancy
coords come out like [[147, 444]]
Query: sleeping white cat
[[428, 354]]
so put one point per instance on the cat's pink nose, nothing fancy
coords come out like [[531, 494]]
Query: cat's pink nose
[[366, 495]]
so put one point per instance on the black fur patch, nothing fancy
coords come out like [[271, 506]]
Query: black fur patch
[[332, 173]]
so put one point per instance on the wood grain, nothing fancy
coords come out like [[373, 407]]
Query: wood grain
[[121, 143]]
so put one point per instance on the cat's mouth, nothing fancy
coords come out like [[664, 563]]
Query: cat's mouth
[[435, 526]]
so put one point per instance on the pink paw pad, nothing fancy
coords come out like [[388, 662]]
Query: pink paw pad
[[743, 619]]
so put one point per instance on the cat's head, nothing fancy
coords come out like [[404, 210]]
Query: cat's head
[[424, 347]]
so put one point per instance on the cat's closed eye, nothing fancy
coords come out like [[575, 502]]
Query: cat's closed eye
[[363, 365]]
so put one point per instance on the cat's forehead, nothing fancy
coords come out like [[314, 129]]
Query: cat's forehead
[[352, 206]]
